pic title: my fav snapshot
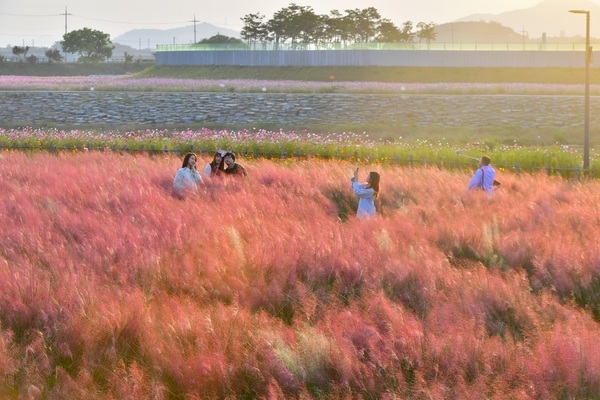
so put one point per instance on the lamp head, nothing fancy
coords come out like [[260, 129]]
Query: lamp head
[[579, 11]]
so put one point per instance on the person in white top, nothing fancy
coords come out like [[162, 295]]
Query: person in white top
[[367, 193], [187, 177], [484, 177]]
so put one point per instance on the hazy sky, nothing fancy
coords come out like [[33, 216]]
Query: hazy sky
[[42, 22]]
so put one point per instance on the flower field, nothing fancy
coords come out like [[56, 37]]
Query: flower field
[[112, 287], [129, 83], [560, 160]]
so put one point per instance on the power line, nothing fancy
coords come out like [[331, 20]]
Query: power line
[[91, 19], [26, 15], [131, 23], [113, 21]]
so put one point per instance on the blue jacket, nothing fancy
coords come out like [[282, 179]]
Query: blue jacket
[[483, 179]]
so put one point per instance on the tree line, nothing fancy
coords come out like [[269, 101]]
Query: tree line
[[90, 45], [294, 24], [300, 25]]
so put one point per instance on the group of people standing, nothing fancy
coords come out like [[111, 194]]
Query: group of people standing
[[188, 177], [223, 163]]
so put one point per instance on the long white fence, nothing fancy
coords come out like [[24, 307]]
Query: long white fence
[[380, 58]]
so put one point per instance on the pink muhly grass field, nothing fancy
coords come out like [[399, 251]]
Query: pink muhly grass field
[[112, 287]]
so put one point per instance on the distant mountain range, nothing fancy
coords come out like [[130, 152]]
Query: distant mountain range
[[551, 17], [149, 38]]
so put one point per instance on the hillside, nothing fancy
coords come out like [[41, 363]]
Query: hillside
[[149, 38], [550, 17], [476, 32]]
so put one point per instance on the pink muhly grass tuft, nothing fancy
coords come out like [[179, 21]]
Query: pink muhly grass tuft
[[129, 382], [558, 368], [8, 355], [79, 386]]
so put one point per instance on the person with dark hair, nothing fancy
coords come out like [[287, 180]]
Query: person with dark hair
[[484, 177], [367, 193], [233, 168], [215, 167], [187, 177]]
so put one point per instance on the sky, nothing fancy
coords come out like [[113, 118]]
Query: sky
[[41, 23]]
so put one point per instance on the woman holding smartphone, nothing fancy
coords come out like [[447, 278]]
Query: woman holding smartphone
[[367, 193]]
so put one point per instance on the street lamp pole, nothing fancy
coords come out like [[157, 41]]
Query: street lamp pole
[[588, 60]]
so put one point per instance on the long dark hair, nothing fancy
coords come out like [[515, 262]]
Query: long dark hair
[[374, 179], [186, 159], [229, 153], [217, 166], [214, 162]]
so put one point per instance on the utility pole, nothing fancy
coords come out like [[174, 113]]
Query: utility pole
[[588, 60], [194, 21], [65, 14]]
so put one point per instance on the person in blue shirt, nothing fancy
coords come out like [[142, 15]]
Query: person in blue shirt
[[484, 177], [367, 193]]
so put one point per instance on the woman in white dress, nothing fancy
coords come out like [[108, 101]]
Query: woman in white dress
[[367, 193], [187, 177]]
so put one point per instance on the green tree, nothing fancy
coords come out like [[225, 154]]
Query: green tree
[[364, 23], [406, 34], [338, 27], [426, 32], [388, 32], [221, 39], [20, 51], [279, 26], [310, 25], [53, 55], [224, 42], [298, 23], [91, 45], [331, 30], [255, 30]]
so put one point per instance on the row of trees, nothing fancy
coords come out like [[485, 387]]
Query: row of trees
[[300, 25], [91, 46], [297, 24], [53, 55]]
